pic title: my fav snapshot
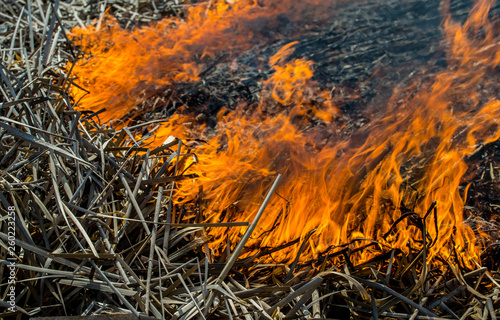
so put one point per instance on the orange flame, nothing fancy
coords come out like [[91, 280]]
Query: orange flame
[[124, 67], [347, 191]]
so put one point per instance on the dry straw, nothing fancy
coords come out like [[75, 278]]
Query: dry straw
[[97, 231]]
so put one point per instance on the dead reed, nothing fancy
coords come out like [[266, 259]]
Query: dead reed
[[96, 231]]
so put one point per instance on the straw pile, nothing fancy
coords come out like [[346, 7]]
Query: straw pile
[[96, 231]]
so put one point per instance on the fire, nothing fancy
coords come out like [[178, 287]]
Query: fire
[[346, 191], [138, 64]]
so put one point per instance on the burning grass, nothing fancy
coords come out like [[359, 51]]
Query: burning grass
[[108, 220], [345, 186]]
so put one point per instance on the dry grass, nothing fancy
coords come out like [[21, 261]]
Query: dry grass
[[97, 232]]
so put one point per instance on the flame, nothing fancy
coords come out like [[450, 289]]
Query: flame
[[135, 65], [338, 191]]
